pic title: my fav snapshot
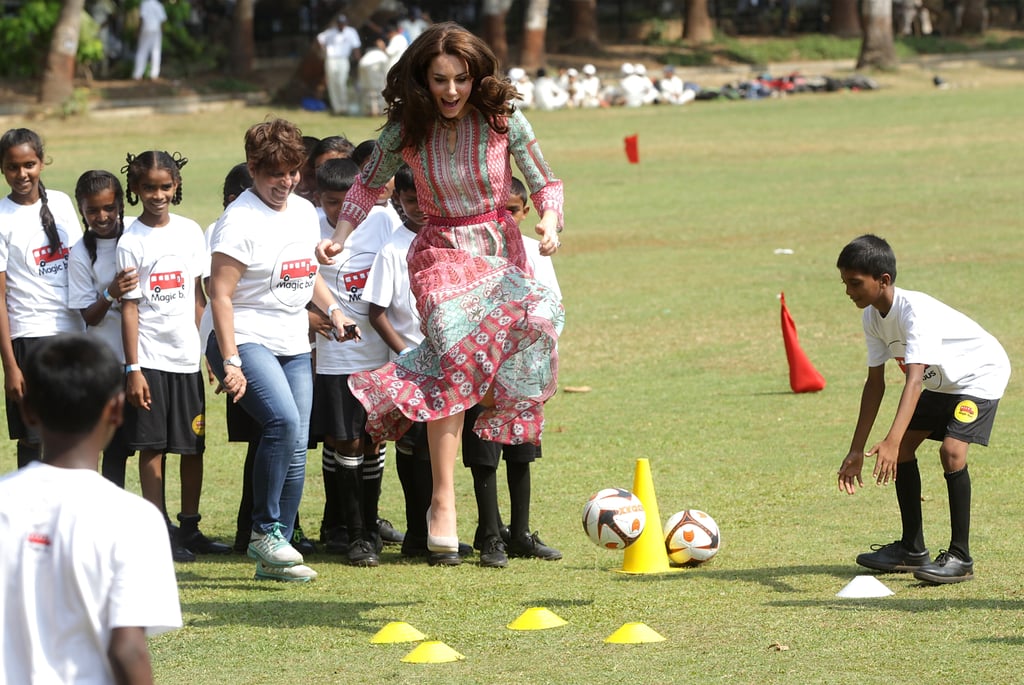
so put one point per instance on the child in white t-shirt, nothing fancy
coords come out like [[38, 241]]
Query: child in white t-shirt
[[95, 286], [37, 230], [160, 317], [92, 562], [338, 417]]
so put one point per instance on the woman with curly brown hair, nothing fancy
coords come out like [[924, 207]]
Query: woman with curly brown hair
[[491, 329]]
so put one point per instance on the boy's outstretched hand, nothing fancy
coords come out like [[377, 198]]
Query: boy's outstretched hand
[[849, 472], [885, 462]]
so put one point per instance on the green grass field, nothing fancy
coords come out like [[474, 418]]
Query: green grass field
[[670, 280]]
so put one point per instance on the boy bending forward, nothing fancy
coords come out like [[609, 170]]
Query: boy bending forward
[[955, 374]]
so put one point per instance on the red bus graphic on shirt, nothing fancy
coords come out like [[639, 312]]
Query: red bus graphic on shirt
[[356, 281], [43, 255], [166, 279], [302, 268]]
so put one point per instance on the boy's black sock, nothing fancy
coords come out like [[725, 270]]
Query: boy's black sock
[[332, 507], [908, 495], [114, 465], [28, 453], [485, 487], [518, 474], [350, 481], [414, 475], [958, 485], [373, 471], [243, 524]]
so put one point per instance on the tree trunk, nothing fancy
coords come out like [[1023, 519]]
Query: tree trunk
[[243, 46], [309, 75], [494, 14], [844, 20], [534, 34], [59, 74], [975, 17], [877, 50], [583, 32], [698, 27]]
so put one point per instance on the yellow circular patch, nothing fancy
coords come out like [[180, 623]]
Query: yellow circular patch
[[199, 425], [966, 412]]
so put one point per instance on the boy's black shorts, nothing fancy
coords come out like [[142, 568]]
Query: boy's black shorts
[[336, 411], [175, 421], [477, 452], [962, 417]]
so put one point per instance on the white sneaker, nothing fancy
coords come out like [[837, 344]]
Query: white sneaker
[[285, 574], [272, 549]]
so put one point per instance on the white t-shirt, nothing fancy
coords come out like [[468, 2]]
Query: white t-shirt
[[168, 260], [961, 357], [339, 44], [543, 267], [151, 15], [279, 251], [80, 557], [37, 283], [346, 279], [388, 286], [86, 282]]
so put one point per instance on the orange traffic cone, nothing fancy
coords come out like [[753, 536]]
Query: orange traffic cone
[[803, 377], [648, 553]]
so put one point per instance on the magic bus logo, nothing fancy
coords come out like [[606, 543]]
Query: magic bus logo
[[168, 285], [355, 283], [50, 261], [294, 275], [299, 270]]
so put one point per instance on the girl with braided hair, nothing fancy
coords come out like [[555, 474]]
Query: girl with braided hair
[[160, 317], [37, 229], [95, 286]]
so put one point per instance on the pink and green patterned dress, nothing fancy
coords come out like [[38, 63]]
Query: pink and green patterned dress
[[488, 323]]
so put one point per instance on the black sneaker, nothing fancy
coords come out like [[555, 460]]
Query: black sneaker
[[241, 545], [893, 557], [303, 544], [443, 558], [179, 553], [948, 567], [360, 553], [336, 540], [492, 553], [530, 545], [388, 533], [197, 543]]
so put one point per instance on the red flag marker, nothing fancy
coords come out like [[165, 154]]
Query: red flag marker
[[803, 377], [633, 148]]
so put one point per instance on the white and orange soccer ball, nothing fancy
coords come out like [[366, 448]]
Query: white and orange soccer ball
[[614, 518], [691, 537]]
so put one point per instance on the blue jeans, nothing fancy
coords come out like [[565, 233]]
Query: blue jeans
[[279, 397]]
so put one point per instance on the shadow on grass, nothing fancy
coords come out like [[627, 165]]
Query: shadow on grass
[[910, 606], [289, 612], [771, 578]]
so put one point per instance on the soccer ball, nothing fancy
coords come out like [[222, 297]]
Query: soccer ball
[[691, 537], [614, 518]]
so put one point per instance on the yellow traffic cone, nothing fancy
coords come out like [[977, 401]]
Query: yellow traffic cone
[[396, 631], [647, 554], [634, 633], [432, 652], [537, 618]]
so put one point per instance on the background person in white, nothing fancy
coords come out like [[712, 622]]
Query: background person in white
[[341, 45], [87, 566], [151, 20]]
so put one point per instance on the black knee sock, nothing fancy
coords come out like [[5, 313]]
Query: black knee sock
[[243, 524], [350, 480], [485, 487], [332, 517], [519, 498], [114, 465], [373, 470], [27, 453], [409, 475], [958, 485], [908, 495]]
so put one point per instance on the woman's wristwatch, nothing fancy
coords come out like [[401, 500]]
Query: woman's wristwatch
[[233, 360]]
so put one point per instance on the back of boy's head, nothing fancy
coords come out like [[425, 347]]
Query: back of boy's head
[[869, 255], [139, 164], [339, 144], [69, 379], [236, 182], [517, 189], [363, 151], [404, 179], [336, 175]]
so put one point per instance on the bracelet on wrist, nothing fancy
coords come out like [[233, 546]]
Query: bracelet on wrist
[[332, 308], [128, 368], [107, 296]]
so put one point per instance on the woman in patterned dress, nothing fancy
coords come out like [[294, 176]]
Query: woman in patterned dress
[[491, 330]]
